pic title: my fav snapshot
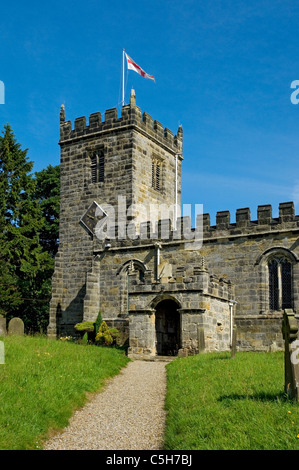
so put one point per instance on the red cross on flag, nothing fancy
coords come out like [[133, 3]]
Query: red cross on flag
[[133, 66]]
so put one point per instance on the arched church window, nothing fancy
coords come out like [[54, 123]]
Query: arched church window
[[130, 266], [280, 283]]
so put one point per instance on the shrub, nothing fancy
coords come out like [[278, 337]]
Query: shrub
[[85, 338], [98, 323], [86, 326], [107, 336], [86, 329]]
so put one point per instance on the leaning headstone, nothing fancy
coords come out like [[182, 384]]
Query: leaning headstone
[[234, 342], [2, 353], [16, 326], [201, 339], [2, 326], [291, 362]]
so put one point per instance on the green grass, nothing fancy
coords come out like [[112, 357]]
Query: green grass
[[218, 403], [43, 381], [213, 402]]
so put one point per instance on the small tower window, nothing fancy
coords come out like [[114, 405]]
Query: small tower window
[[153, 175], [97, 167], [156, 175]]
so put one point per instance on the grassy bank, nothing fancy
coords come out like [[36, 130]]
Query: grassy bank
[[43, 381], [215, 402]]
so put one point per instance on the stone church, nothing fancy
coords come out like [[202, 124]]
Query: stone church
[[124, 251]]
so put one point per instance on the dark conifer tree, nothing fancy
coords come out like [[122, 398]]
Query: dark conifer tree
[[23, 262]]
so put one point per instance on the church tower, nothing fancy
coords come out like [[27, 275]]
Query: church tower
[[123, 164]]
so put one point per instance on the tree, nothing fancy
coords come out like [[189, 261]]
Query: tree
[[25, 264], [10, 295], [47, 192]]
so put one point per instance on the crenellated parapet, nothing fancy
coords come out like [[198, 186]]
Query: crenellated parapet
[[245, 225], [195, 279], [148, 233], [131, 115], [165, 231]]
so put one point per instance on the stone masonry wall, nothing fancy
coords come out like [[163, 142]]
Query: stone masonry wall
[[240, 252], [174, 273], [202, 302]]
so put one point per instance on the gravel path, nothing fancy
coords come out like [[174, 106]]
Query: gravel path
[[127, 415]]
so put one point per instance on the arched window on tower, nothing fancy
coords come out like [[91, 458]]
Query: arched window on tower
[[97, 166], [280, 283]]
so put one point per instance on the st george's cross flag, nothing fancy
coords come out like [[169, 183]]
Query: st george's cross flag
[[133, 66]]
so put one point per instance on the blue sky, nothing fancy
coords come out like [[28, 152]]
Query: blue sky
[[223, 70]]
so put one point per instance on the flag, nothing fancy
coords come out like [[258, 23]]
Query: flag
[[133, 66]]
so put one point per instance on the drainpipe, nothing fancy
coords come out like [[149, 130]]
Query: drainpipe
[[175, 215], [231, 306], [176, 185], [158, 247]]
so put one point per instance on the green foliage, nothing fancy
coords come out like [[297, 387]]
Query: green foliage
[[86, 326], [98, 332], [10, 295], [98, 322], [86, 329], [107, 336], [29, 211], [43, 381], [85, 338], [47, 192], [26, 264]]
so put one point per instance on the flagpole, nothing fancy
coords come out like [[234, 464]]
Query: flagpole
[[123, 96]]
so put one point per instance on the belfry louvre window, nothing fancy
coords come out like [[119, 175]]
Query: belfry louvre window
[[97, 167], [156, 175], [280, 284]]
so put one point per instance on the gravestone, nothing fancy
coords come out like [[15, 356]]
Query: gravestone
[[183, 352], [291, 362], [2, 326], [16, 326], [2, 353]]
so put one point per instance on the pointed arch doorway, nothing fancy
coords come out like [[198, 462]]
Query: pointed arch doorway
[[167, 323]]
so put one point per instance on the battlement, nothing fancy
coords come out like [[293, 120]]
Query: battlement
[[165, 231], [194, 278], [150, 233], [245, 225], [130, 116]]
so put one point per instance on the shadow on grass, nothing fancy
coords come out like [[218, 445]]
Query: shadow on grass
[[221, 358], [264, 397]]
